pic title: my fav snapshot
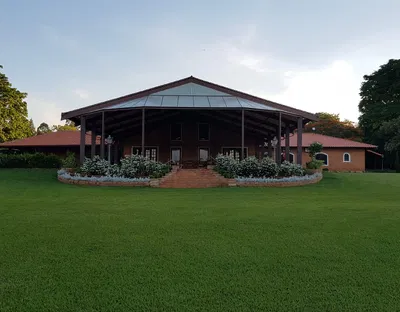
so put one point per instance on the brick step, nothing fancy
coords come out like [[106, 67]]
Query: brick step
[[193, 178]]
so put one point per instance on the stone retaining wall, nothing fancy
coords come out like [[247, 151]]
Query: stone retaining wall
[[101, 183], [275, 184]]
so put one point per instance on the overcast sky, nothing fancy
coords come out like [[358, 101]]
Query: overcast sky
[[309, 54]]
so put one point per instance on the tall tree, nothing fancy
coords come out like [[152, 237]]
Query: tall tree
[[43, 128], [14, 123], [380, 103], [32, 129], [330, 124], [380, 99]]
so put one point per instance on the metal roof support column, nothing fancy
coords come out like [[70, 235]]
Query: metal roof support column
[[116, 149], [270, 151], [300, 141], [93, 142], [83, 140], [143, 129], [102, 136], [278, 150], [242, 134], [287, 144]]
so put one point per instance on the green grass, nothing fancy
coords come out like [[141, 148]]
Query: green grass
[[334, 246]]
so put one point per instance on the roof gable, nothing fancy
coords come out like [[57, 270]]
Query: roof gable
[[188, 86], [191, 88], [326, 141]]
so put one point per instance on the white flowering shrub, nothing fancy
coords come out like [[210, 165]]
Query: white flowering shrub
[[135, 166], [95, 166], [227, 166], [113, 171], [268, 168], [288, 169], [249, 167]]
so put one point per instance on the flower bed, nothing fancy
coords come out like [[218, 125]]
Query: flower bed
[[279, 182], [66, 177]]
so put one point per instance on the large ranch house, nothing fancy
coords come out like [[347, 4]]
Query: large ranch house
[[189, 122]]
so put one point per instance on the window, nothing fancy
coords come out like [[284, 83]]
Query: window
[[323, 157], [203, 153], [176, 132], [234, 152], [346, 157], [291, 158], [204, 132], [149, 152], [176, 154]]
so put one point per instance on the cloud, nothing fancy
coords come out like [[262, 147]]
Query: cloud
[[83, 94], [332, 89], [43, 110]]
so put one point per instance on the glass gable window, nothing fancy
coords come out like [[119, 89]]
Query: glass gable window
[[176, 132], [204, 132]]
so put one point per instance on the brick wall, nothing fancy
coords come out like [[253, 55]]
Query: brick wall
[[335, 159]]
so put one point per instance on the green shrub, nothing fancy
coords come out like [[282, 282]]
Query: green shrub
[[227, 166], [314, 164], [249, 167], [288, 169], [95, 166], [268, 168], [314, 149], [69, 161], [34, 160]]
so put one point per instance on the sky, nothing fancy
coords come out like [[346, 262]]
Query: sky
[[309, 54]]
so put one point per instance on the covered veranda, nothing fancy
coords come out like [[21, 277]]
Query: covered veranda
[[191, 99]]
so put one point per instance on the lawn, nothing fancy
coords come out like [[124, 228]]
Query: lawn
[[333, 246]]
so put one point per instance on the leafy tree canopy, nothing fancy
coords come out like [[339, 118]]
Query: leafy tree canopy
[[330, 124], [14, 123], [68, 126], [43, 128], [380, 99]]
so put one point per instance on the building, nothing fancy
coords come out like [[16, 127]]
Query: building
[[337, 154], [58, 143], [189, 121]]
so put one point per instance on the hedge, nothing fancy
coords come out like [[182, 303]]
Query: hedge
[[36, 160]]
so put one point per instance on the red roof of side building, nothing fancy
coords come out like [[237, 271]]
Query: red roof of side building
[[326, 141], [59, 138]]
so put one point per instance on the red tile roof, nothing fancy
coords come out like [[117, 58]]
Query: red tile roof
[[60, 138], [326, 141]]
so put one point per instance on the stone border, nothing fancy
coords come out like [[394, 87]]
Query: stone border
[[233, 182], [102, 183]]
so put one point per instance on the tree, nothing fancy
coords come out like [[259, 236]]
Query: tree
[[380, 99], [14, 123], [330, 124], [68, 126], [43, 128], [380, 108], [32, 129]]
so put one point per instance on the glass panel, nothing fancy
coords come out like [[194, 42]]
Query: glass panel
[[176, 132], [185, 101], [203, 154], [201, 101], [204, 132], [231, 101], [147, 153], [154, 101], [153, 154], [176, 154], [169, 101], [216, 101]]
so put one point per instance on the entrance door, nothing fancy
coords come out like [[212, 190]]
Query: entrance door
[[176, 154]]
